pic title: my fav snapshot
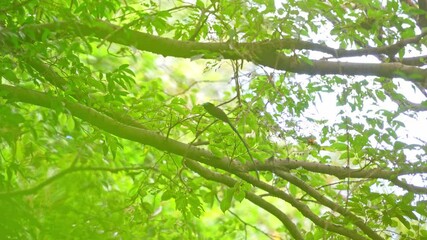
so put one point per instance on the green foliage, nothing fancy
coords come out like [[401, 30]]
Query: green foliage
[[103, 135]]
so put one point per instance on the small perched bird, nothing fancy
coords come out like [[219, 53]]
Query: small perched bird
[[216, 112], [219, 114]]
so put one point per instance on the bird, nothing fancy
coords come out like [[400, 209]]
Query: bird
[[217, 113]]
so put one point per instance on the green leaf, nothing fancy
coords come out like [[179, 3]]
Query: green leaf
[[380, 94], [339, 146], [227, 199], [168, 194]]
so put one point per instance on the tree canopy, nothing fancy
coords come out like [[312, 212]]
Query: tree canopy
[[103, 133]]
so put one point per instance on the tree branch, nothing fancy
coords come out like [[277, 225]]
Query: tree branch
[[263, 53], [230, 182], [330, 204], [302, 208], [339, 172]]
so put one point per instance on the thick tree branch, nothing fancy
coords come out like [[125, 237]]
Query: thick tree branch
[[263, 53], [415, 61], [45, 71], [409, 187], [337, 171], [293, 64], [117, 128], [289, 43]]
